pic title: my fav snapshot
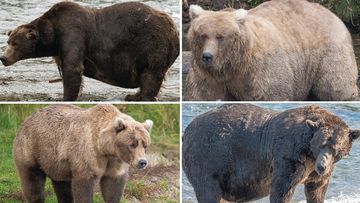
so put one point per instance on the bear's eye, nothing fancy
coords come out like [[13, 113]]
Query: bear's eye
[[219, 37], [14, 44], [204, 36], [339, 156], [134, 145]]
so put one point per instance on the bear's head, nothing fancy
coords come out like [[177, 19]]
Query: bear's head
[[331, 140], [24, 41], [127, 140], [217, 38]]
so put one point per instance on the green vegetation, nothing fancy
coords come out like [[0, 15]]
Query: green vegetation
[[165, 134], [165, 137], [254, 3], [347, 10]]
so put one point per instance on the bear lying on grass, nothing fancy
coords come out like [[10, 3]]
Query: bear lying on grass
[[241, 152], [128, 45], [280, 50], [74, 147]]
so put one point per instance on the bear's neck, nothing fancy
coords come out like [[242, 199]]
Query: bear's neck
[[47, 50]]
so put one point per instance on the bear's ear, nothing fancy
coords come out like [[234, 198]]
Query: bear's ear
[[195, 11], [46, 30], [354, 134], [119, 125], [314, 125], [240, 14], [32, 34], [148, 124], [8, 33]]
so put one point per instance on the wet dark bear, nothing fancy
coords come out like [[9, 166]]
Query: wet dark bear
[[242, 152], [128, 45]]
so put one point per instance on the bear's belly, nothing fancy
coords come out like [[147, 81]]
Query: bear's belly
[[250, 191], [247, 184], [58, 171], [121, 76]]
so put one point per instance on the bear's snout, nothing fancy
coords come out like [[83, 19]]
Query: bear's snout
[[207, 57], [3, 60], [142, 164], [324, 163]]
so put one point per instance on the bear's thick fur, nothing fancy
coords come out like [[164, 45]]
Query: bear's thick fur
[[128, 45], [74, 147], [241, 152], [280, 50]]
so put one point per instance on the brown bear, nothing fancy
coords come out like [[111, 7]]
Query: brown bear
[[280, 50], [74, 147], [241, 152], [128, 45]]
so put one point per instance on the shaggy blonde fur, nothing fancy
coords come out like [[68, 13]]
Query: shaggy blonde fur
[[68, 143], [280, 50]]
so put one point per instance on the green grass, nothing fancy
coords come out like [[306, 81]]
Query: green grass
[[165, 136], [166, 121]]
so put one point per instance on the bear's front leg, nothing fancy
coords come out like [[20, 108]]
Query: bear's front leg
[[72, 81], [83, 189], [112, 188], [72, 58], [315, 191], [285, 176]]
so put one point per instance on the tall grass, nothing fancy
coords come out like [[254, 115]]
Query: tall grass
[[165, 136]]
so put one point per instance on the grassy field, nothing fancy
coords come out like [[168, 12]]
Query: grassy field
[[155, 184]]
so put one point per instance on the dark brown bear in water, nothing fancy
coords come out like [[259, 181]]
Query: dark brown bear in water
[[241, 152], [128, 45]]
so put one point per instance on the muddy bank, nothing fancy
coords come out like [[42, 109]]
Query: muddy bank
[[159, 182]]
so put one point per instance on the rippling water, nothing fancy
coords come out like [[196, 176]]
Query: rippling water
[[28, 79], [344, 184]]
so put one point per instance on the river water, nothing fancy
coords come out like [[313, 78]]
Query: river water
[[344, 184], [29, 79]]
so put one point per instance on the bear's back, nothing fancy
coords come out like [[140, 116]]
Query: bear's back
[[311, 21], [226, 124], [47, 127]]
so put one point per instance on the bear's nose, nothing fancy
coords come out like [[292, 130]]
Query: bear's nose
[[207, 57], [3, 59], [142, 164]]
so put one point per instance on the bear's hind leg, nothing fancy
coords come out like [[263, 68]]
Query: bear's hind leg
[[149, 88], [33, 183], [112, 188], [337, 76], [63, 191], [315, 191]]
